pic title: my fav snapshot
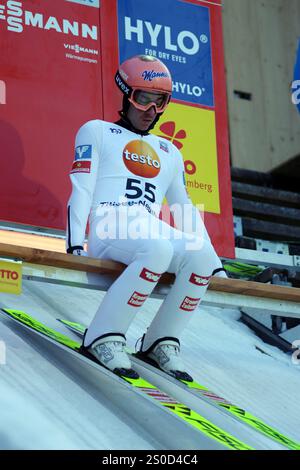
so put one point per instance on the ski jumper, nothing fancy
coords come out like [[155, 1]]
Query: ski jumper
[[120, 179]]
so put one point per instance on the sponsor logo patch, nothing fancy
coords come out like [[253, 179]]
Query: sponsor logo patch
[[199, 280], [11, 277], [141, 159], [163, 146], [81, 167], [149, 275], [137, 299], [78, 49], [149, 75], [189, 304], [125, 88], [83, 152], [113, 130], [16, 18]]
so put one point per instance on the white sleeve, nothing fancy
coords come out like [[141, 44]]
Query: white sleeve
[[83, 176], [186, 216]]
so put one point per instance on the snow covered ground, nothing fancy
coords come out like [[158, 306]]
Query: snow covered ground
[[47, 402]]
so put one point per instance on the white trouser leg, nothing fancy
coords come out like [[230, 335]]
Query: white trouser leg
[[193, 269], [147, 259]]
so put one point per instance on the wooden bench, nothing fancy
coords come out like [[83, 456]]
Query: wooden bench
[[60, 268]]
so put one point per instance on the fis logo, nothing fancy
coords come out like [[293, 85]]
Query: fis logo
[[137, 299], [163, 146], [83, 152], [149, 275], [189, 304], [199, 280]]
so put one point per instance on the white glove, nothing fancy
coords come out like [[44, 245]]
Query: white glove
[[79, 252], [221, 273]]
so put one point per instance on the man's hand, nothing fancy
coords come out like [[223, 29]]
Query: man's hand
[[220, 272], [77, 251]]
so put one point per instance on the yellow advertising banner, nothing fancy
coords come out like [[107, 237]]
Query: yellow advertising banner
[[193, 131], [10, 277]]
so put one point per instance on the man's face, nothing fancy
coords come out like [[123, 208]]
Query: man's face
[[141, 120]]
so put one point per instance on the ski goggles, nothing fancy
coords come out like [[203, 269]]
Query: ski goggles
[[144, 100]]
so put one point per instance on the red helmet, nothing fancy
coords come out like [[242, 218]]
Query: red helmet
[[146, 82]]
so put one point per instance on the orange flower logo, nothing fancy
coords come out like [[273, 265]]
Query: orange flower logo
[[169, 131]]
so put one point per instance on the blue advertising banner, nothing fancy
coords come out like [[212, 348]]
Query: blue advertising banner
[[182, 41], [296, 82]]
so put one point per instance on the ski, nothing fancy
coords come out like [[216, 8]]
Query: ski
[[203, 392], [141, 386]]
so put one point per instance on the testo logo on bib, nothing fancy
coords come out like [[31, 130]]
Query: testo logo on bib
[[141, 159]]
